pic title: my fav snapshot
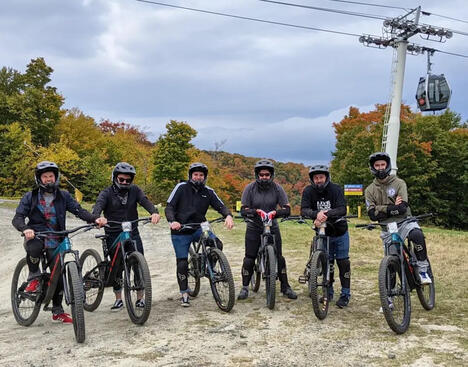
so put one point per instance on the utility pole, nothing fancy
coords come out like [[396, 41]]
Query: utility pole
[[397, 32]]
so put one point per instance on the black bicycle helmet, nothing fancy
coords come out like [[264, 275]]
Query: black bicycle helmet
[[123, 168], [198, 167], [380, 156], [47, 166], [264, 164], [319, 168]]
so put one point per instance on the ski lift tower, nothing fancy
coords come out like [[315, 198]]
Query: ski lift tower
[[397, 31]]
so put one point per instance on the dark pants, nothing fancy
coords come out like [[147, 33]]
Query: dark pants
[[252, 245], [111, 237], [34, 249]]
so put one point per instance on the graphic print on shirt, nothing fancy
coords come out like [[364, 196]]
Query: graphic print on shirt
[[391, 192], [323, 205]]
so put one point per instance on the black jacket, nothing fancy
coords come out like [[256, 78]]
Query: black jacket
[[115, 208], [63, 202], [331, 199], [186, 204]]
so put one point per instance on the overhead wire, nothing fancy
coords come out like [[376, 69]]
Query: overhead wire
[[270, 21], [369, 4], [428, 13], [250, 18], [338, 11]]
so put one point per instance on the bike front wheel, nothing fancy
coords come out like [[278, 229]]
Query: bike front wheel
[[75, 287], [93, 279], [25, 306], [270, 277], [394, 298], [319, 285], [193, 273], [426, 292], [137, 288], [221, 280]]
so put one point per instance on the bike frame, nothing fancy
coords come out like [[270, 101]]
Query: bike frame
[[266, 239], [203, 265]]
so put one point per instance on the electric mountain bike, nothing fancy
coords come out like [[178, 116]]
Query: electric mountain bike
[[266, 264], [65, 265], [98, 273], [318, 267], [398, 276], [206, 260]]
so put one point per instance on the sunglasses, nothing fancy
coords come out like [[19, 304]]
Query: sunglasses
[[124, 180], [264, 175]]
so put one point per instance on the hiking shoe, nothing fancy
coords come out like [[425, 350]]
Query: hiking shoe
[[243, 294], [63, 318], [288, 292], [140, 303], [118, 305], [425, 278], [342, 301], [185, 300], [33, 286]]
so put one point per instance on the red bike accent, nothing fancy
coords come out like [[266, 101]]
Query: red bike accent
[[115, 256]]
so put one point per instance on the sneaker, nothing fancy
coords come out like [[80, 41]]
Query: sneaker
[[425, 278], [342, 301], [140, 303], [118, 305], [185, 300], [288, 292], [33, 286], [390, 305], [243, 294], [63, 318]]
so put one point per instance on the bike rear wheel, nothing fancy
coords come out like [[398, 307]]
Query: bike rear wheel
[[221, 281], [256, 277], [396, 303], [426, 292], [319, 285], [93, 279], [270, 276], [25, 307], [193, 273], [75, 287], [137, 288]]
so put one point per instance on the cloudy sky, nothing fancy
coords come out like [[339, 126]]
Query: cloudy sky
[[260, 89]]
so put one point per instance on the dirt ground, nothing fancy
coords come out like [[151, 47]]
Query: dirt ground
[[202, 335]]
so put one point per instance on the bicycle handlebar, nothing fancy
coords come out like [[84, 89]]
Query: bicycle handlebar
[[194, 225], [45, 234], [373, 225]]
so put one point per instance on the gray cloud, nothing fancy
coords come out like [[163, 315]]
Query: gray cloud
[[144, 64]]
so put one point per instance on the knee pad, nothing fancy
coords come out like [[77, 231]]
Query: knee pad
[[247, 265], [219, 244], [345, 267], [417, 237], [282, 264], [182, 268]]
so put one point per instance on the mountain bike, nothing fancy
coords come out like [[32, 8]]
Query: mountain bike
[[98, 273], [398, 277], [206, 260], [65, 263], [318, 267], [266, 264]]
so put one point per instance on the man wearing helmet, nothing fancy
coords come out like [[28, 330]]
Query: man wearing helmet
[[188, 203], [46, 207], [387, 201], [119, 203], [323, 200], [266, 195]]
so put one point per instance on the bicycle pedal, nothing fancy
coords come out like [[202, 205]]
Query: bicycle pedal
[[302, 279]]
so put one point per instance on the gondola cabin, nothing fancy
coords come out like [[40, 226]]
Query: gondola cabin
[[433, 93]]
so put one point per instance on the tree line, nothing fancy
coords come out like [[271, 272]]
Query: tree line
[[34, 126]]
